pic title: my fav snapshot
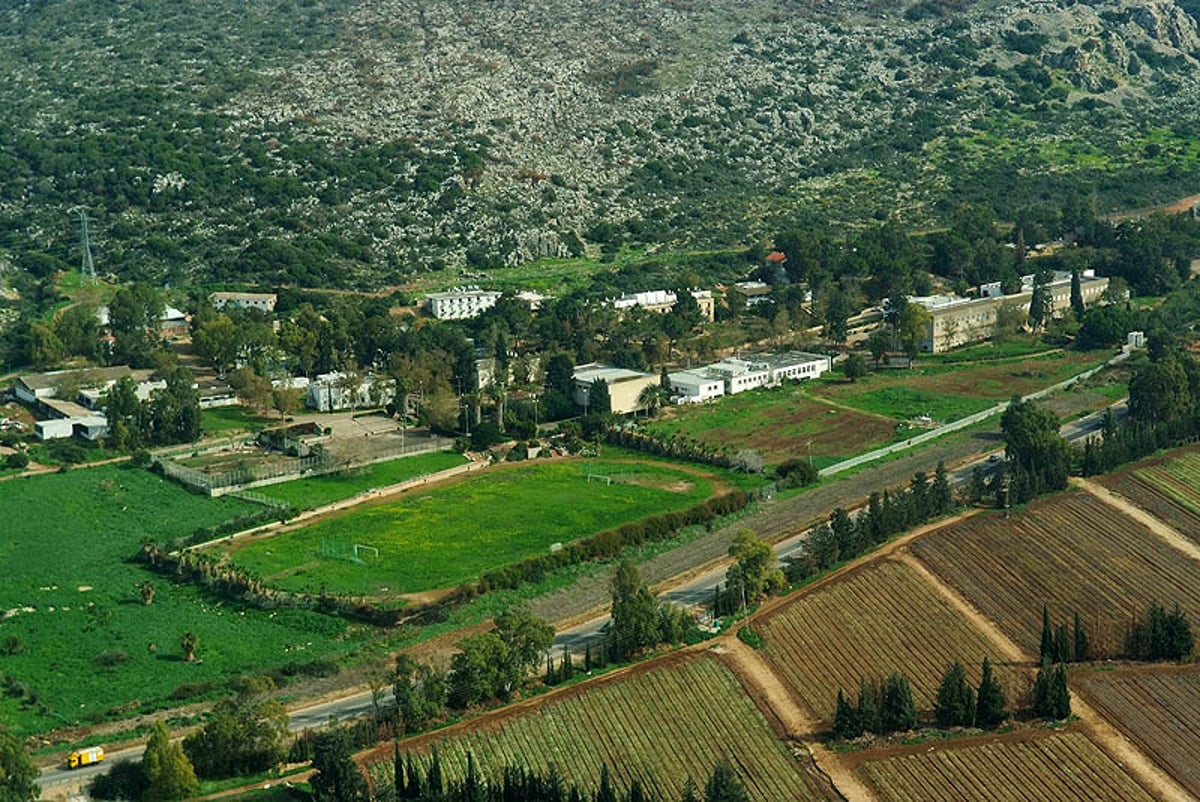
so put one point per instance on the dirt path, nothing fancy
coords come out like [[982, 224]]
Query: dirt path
[[1007, 648], [1120, 749], [764, 686], [1175, 207], [1164, 531]]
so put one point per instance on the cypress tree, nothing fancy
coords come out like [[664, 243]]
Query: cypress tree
[[989, 710], [1060, 695], [413, 788], [869, 705], [635, 792], [1083, 649], [1076, 295], [689, 791], [472, 790], [845, 718], [1062, 644], [724, 786], [897, 711], [955, 703], [605, 793], [1046, 650], [434, 786], [941, 495], [1042, 705]]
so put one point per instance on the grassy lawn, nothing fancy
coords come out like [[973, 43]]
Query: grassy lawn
[[77, 635], [450, 534], [218, 420], [304, 494]]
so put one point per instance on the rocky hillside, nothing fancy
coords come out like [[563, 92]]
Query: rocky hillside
[[327, 142]]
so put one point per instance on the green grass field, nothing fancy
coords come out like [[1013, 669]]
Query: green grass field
[[68, 597], [305, 494], [219, 420], [451, 534]]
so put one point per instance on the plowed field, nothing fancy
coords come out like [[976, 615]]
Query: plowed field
[[1071, 552], [1054, 769], [659, 726], [1160, 711], [1169, 490], [876, 620]]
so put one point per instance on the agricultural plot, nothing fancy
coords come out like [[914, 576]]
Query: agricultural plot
[[947, 392], [1053, 769], [1169, 490], [74, 631], [1072, 552], [659, 726], [446, 535], [879, 619], [1160, 711], [780, 423]]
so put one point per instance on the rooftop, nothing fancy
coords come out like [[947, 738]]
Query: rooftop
[[611, 375]]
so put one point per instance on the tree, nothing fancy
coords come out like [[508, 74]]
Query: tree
[[169, 774], [1032, 441], [1009, 320], [252, 390], [146, 589], [419, 691], [18, 775], [189, 642], [941, 496], [337, 778], [477, 671], [724, 786], [1082, 648], [651, 398], [217, 342], [1041, 302], [1158, 392], [838, 308], [855, 367], [174, 410], [1051, 698], [605, 792], [133, 316], [897, 711], [754, 572], [877, 345], [912, 328], [599, 401], [955, 704], [526, 638], [634, 611], [1077, 295], [990, 703], [846, 724], [244, 734]]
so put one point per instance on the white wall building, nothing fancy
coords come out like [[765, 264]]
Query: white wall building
[[262, 301], [693, 387], [333, 392], [460, 304], [739, 375], [624, 386]]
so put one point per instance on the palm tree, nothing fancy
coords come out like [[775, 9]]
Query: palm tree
[[147, 589], [651, 398]]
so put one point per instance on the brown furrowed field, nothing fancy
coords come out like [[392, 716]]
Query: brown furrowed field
[[1169, 490], [1159, 710], [659, 726], [1072, 552], [1057, 768], [876, 620]]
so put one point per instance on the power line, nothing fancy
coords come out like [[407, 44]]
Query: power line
[[88, 267]]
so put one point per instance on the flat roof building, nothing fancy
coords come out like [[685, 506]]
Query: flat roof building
[[624, 386], [262, 301], [461, 304]]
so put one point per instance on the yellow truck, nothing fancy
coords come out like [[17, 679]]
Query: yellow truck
[[85, 757]]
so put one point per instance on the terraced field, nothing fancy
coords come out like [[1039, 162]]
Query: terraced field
[[1053, 769], [659, 726], [1072, 552], [877, 620], [1160, 711]]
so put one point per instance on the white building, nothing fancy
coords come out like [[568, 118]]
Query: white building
[[739, 375], [663, 301], [262, 301], [693, 387], [795, 365], [333, 392], [460, 304]]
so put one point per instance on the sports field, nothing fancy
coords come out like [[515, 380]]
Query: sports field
[[75, 635], [443, 536]]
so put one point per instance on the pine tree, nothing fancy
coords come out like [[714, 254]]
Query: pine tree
[[989, 710], [897, 711], [413, 788], [845, 719], [169, 773], [955, 703], [941, 495], [1046, 650], [1083, 649]]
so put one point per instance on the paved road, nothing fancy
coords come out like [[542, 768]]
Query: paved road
[[307, 718]]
